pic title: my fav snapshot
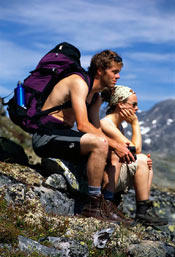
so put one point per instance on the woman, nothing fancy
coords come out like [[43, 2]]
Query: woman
[[119, 177]]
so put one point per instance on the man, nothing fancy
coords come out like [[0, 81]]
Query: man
[[61, 141]]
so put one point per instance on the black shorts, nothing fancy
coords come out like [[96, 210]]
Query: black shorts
[[57, 143]]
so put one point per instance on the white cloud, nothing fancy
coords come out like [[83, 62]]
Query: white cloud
[[85, 61], [30, 28], [4, 91], [147, 57], [93, 25], [16, 61]]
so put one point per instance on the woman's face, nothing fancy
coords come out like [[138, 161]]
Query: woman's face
[[131, 103]]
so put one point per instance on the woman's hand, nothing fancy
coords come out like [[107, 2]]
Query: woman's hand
[[149, 161], [128, 115]]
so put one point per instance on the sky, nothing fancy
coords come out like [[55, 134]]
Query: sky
[[141, 32]]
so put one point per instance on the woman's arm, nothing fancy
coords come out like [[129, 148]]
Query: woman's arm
[[109, 128], [130, 117]]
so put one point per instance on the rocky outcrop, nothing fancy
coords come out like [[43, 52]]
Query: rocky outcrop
[[49, 194], [41, 202]]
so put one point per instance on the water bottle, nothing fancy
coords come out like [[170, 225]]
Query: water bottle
[[20, 94]]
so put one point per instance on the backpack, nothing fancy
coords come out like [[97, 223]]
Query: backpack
[[60, 62]]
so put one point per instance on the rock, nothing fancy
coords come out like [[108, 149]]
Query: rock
[[2, 110], [30, 246], [55, 201], [151, 248], [101, 237], [62, 247], [58, 188], [12, 152], [73, 247]]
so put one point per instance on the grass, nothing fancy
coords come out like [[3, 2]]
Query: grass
[[12, 225]]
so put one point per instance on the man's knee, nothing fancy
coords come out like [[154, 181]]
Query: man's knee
[[102, 144], [91, 142]]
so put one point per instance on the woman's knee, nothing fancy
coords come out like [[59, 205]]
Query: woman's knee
[[142, 157], [142, 160]]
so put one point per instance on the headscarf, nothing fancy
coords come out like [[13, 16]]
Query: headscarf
[[120, 93]]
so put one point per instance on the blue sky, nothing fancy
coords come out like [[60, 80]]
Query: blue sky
[[142, 32]]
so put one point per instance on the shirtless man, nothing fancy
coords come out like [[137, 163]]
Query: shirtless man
[[61, 141]]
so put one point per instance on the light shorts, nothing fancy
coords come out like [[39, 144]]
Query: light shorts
[[126, 178]]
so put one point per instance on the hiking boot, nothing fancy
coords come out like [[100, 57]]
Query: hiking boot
[[105, 210], [118, 200], [119, 213], [147, 215]]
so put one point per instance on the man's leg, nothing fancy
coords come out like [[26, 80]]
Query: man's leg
[[97, 149], [112, 176], [97, 206]]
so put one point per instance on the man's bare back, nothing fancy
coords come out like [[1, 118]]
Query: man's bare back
[[61, 94]]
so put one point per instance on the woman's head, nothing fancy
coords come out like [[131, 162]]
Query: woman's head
[[123, 97]]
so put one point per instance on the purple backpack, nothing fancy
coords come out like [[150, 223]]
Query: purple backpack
[[60, 62]]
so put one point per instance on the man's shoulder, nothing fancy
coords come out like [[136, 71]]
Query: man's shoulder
[[79, 76], [77, 80]]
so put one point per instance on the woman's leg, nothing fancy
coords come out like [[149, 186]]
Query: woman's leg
[[142, 178]]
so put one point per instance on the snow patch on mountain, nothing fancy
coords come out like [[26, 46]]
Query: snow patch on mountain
[[169, 121], [144, 130], [147, 141]]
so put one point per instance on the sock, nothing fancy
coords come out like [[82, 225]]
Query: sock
[[94, 190], [108, 195], [142, 206]]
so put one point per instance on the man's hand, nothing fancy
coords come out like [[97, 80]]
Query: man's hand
[[124, 154]]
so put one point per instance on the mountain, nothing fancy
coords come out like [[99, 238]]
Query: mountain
[[158, 127], [158, 132]]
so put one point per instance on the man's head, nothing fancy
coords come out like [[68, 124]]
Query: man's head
[[106, 66], [103, 61]]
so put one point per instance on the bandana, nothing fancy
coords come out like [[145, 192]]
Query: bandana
[[120, 93]]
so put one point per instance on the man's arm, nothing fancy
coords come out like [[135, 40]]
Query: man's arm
[[119, 147], [116, 137], [94, 110], [78, 92]]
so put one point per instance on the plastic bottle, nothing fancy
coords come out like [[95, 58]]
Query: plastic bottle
[[20, 94]]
